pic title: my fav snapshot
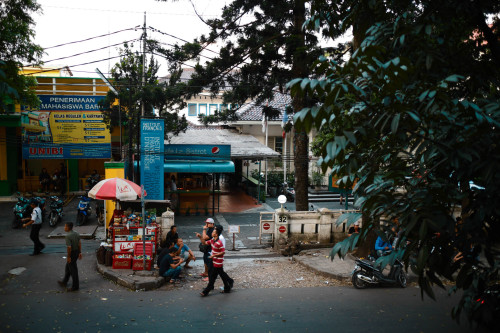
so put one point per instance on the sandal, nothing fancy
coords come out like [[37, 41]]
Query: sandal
[[204, 274], [173, 281]]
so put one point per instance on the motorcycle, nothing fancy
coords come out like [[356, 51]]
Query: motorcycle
[[84, 210], [99, 204], [56, 211], [366, 273], [99, 210], [288, 192], [22, 209]]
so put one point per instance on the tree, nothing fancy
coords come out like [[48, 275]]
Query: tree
[[263, 47], [163, 97], [16, 48], [415, 113]]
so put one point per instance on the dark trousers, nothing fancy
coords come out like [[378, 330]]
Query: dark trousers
[[218, 271], [71, 269], [35, 230]]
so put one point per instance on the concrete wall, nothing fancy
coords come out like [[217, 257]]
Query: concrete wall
[[318, 226]]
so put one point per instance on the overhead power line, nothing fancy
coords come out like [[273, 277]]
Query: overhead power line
[[90, 51], [90, 38]]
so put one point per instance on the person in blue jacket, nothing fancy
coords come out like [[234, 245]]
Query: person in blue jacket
[[382, 246]]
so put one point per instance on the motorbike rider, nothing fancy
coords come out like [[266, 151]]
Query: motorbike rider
[[382, 247], [95, 176], [44, 178]]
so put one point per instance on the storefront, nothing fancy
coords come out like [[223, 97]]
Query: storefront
[[65, 135]]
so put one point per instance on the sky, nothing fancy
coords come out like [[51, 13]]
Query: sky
[[67, 21]]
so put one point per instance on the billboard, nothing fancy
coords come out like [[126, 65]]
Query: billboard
[[152, 148], [65, 127]]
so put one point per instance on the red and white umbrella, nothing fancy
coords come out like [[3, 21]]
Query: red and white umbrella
[[116, 189]]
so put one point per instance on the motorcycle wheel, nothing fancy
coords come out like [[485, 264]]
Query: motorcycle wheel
[[53, 219], [357, 282], [401, 279], [80, 219]]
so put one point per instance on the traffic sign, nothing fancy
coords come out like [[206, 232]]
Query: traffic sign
[[282, 229], [266, 226]]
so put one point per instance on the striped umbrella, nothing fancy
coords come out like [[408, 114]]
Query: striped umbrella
[[116, 189]]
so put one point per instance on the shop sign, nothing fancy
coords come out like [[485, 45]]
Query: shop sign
[[65, 127], [197, 152], [152, 149]]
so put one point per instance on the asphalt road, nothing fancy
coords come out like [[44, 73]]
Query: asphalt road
[[31, 300], [326, 309]]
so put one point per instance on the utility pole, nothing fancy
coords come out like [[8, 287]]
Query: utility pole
[[143, 104]]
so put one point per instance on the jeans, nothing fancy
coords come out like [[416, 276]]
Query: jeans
[[71, 269], [173, 272], [35, 230], [228, 282]]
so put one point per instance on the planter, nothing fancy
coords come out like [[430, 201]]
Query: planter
[[273, 191]]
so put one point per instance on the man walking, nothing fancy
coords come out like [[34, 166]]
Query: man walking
[[207, 235], [217, 257], [74, 252], [36, 223]]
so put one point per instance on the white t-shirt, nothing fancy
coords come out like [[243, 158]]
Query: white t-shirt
[[36, 215], [223, 240]]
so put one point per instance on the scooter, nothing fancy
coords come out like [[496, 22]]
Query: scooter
[[99, 210], [366, 273], [56, 211], [22, 209], [84, 210], [99, 204]]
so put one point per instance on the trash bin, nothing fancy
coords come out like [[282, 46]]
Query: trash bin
[[109, 258]]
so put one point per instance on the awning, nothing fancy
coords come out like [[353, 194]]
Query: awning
[[199, 166]]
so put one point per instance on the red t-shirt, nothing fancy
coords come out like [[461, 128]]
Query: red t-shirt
[[217, 247]]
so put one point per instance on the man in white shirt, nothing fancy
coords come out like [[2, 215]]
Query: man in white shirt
[[36, 221]]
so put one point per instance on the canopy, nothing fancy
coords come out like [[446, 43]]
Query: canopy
[[116, 189], [199, 166]]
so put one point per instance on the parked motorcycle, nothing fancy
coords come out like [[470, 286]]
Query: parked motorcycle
[[56, 211], [22, 209], [366, 273], [84, 210], [99, 210], [99, 204]]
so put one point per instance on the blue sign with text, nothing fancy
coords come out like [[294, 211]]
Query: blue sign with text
[[152, 151]]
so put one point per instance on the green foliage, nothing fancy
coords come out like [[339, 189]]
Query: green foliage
[[257, 57], [317, 178], [414, 114], [17, 48], [165, 97]]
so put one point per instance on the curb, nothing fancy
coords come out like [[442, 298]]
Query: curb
[[337, 276], [127, 279]]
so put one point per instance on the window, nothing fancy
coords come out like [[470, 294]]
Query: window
[[278, 144], [223, 107], [202, 109], [212, 108], [191, 109]]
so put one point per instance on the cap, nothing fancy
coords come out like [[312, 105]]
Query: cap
[[209, 220], [356, 223]]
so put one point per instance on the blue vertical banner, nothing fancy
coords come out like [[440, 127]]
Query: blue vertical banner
[[152, 151]]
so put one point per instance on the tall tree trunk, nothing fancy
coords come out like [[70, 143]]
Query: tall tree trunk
[[300, 140]]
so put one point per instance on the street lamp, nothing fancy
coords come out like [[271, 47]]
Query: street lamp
[[110, 86]]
